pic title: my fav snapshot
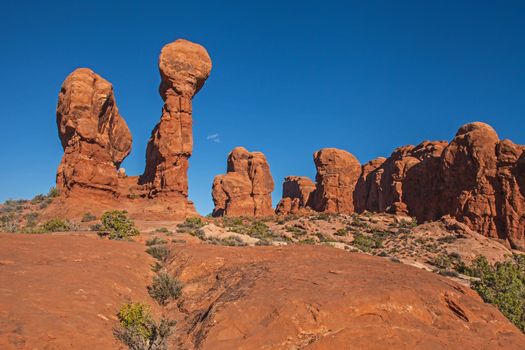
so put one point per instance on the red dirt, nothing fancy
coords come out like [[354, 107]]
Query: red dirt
[[62, 292]]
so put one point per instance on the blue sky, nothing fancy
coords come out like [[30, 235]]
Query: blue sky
[[288, 78]]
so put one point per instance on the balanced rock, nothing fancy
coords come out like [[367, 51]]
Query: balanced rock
[[184, 67], [337, 175], [95, 138], [296, 195], [245, 190]]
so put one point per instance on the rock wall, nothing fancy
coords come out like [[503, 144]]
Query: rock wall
[[476, 178], [95, 138], [245, 189]]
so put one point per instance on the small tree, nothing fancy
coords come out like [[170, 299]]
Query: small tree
[[139, 331], [116, 225]]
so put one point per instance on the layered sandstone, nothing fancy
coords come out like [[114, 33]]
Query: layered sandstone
[[245, 189], [184, 67], [95, 138]]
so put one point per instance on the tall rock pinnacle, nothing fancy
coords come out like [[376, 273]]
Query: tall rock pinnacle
[[184, 67]]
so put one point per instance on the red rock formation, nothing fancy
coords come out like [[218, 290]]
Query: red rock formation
[[184, 67], [296, 195], [476, 179], [94, 136], [337, 175], [382, 184], [245, 190]]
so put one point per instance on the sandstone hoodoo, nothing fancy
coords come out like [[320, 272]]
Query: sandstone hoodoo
[[184, 67], [296, 195], [337, 174], [245, 189], [96, 140], [94, 136]]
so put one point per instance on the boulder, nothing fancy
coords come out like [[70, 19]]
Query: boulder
[[245, 190]]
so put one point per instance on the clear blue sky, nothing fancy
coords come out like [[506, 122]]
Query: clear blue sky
[[289, 77]]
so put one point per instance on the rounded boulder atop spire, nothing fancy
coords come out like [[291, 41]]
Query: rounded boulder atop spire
[[184, 67]]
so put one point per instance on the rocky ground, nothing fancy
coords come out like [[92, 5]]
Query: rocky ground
[[62, 291]]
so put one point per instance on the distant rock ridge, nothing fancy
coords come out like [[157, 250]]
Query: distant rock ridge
[[476, 178], [245, 189]]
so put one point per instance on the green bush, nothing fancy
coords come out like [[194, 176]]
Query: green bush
[[116, 225], [56, 225], [139, 331], [165, 288], [502, 284]]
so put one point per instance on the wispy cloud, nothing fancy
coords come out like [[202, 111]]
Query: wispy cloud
[[214, 137]]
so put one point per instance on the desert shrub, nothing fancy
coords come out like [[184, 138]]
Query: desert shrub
[[88, 217], [190, 225], [199, 233], [31, 219], [163, 230], [139, 331], [447, 239], [358, 222], [53, 192], [296, 231], [407, 224], [341, 232], [264, 242], [322, 238], [38, 199], [259, 229], [380, 236], [155, 241], [308, 240], [366, 243], [56, 225], [502, 284], [116, 225], [8, 222], [234, 241], [161, 252], [165, 288], [96, 227], [322, 217], [446, 261]]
